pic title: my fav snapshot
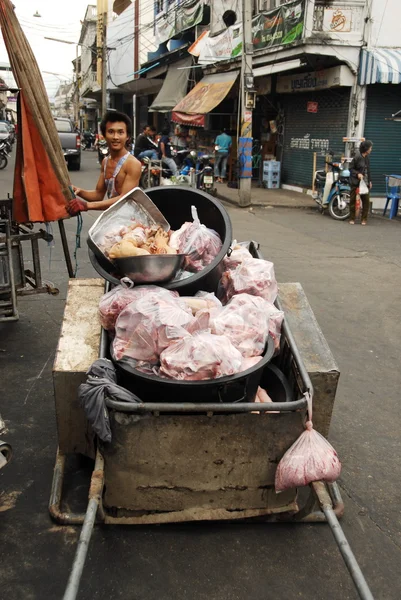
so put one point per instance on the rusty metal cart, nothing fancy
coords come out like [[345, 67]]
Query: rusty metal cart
[[143, 478]]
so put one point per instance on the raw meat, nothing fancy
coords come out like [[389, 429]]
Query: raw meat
[[263, 397], [201, 301], [253, 276], [147, 326], [200, 356], [141, 241], [238, 255], [247, 363], [310, 458], [244, 320], [114, 302], [200, 244]]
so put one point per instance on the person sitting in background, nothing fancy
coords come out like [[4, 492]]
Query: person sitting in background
[[165, 150], [360, 173], [145, 147], [223, 146]]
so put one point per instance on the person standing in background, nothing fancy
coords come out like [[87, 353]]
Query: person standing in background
[[165, 150], [223, 146], [360, 177]]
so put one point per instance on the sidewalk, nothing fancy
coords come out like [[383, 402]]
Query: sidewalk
[[262, 197]]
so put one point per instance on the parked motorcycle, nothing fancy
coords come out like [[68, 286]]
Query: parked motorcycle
[[5, 449], [102, 150], [205, 175], [333, 191], [4, 154]]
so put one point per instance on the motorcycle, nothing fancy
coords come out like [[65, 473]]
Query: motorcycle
[[5, 151], [5, 449], [205, 175], [102, 150], [333, 191]]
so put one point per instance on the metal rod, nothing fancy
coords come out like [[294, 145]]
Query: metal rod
[[342, 542], [212, 407], [66, 250], [63, 518], [82, 550], [36, 263], [95, 501]]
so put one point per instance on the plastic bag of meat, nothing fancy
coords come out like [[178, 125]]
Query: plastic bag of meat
[[245, 322], [200, 356], [310, 458], [238, 254], [148, 325], [114, 302], [253, 276], [200, 244]]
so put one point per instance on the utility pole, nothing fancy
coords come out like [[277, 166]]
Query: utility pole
[[76, 89], [136, 67], [102, 15], [247, 87]]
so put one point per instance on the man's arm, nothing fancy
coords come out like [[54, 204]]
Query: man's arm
[[163, 149], [133, 174], [93, 195]]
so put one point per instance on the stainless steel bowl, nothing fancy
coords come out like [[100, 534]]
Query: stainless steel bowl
[[155, 268]]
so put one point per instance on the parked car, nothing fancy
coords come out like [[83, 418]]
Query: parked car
[[70, 142]]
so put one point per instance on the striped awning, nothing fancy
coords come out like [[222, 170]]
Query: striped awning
[[382, 65]]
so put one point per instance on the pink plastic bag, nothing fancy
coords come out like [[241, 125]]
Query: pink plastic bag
[[238, 255], [149, 325], [199, 357], [310, 458], [198, 242], [114, 302], [253, 276]]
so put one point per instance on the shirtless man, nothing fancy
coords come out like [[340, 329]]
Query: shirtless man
[[120, 171]]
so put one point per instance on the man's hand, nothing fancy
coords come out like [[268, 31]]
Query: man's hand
[[76, 206], [360, 176], [370, 185], [77, 190]]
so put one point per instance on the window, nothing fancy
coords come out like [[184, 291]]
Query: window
[[63, 126], [4, 128]]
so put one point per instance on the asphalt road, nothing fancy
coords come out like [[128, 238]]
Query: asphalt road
[[352, 277]]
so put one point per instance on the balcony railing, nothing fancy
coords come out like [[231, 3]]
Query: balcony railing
[[340, 21], [89, 82]]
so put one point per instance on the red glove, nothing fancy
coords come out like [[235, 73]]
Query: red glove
[[76, 206]]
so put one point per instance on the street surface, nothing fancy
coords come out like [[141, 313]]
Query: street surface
[[352, 277]]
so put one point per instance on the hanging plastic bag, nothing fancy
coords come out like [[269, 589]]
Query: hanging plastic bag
[[237, 256], [363, 188], [310, 458], [200, 244]]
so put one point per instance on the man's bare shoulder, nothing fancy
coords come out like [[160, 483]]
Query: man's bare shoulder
[[132, 164]]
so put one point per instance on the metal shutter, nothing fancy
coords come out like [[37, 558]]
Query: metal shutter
[[382, 102], [329, 123]]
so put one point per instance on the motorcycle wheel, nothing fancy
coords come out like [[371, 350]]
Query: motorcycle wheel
[[3, 161], [336, 212]]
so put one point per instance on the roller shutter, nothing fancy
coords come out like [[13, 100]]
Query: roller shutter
[[306, 133], [382, 102]]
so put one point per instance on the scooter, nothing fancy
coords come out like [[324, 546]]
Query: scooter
[[102, 150], [333, 191], [205, 175]]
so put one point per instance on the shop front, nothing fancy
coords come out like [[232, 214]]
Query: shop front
[[315, 119], [381, 73]]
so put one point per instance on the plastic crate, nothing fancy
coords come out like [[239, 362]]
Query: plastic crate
[[272, 185], [271, 165], [272, 176]]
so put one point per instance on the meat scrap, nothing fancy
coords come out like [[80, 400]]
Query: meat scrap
[[148, 325], [200, 356], [142, 241]]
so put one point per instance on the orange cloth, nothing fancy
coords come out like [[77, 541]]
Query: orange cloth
[[38, 196]]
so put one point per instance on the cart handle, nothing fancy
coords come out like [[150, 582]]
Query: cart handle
[[209, 407]]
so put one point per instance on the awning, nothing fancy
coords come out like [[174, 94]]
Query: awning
[[207, 94], [188, 120], [277, 68], [380, 66], [174, 87]]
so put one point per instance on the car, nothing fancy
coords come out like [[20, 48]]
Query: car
[[4, 131], [70, 142]]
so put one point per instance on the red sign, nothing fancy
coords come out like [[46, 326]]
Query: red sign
[[312, 107]]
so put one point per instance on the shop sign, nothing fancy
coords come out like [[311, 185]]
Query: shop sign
[[337, 20], [172, 22], [308, 143], [317, 80], [277, 27], [312, 107]]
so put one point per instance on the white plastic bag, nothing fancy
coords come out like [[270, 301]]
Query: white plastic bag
[[252, 276], [310, 458], [200, 244], [363, 188]]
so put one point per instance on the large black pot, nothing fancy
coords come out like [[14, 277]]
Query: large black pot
[[175, 203], [241, 387]]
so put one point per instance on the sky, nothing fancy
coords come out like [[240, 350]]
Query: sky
[[59, 19]]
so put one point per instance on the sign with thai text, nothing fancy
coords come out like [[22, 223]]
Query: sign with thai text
[[316, 80]]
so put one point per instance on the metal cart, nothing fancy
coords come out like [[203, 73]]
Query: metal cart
[[142, 478]]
